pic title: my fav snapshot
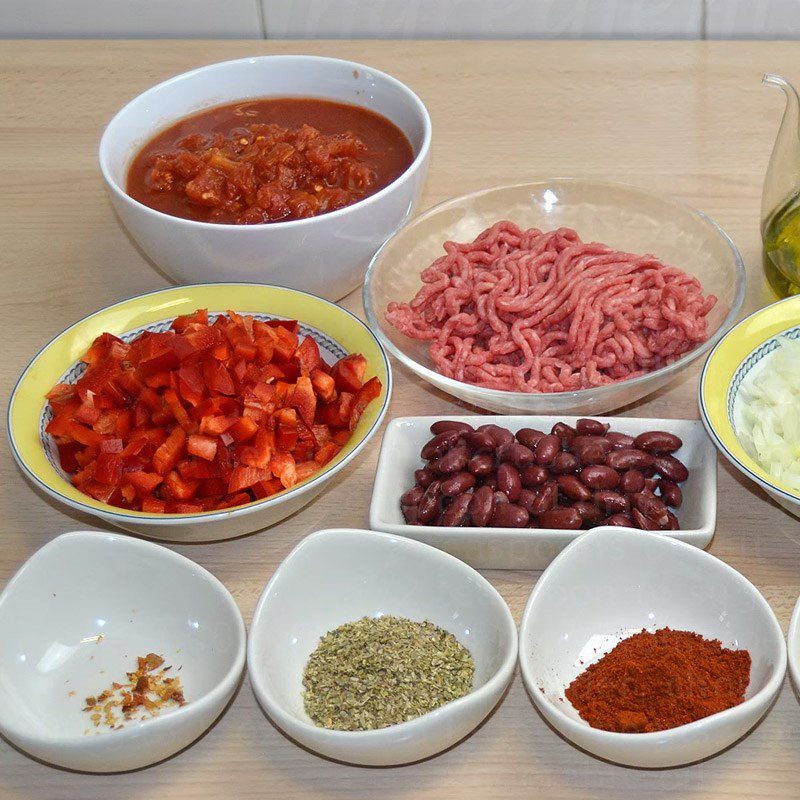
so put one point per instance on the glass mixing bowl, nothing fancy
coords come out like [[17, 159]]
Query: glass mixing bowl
[[623, 217]]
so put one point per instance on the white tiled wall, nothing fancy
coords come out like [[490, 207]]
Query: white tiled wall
[[211, 19], [628, 19], [753, 19], [394, 19]]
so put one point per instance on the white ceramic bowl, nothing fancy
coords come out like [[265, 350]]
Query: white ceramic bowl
[[624, 217], [325, 255], [338, 576], [76, 616], [793, 641], [612, 583], [531, 548]]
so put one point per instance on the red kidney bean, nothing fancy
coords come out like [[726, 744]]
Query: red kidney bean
[[613, 502], [650, 485], [670, 492], [590, 438], [410, 514], [653, 508], [670, 468], [564, 463], [481, 464], [428, 507], [631, 481], [599, 476], [529, 436], [546, 498], [658, 442], [591, 427], [526, 498], [457, 484], [456, 513], [499, 435], [590, 513], [516, 453], [565, 433], [412, 496], [590, 454], [480, 441], [674, 525], [619, 441], [498, 498], [508, 515], [451, 425], [454, 460], [533, 475], [563, 518], [424, 477], [440, 444], [508, 481], [628, 459], [480, 506], [619, 521], [572, 488], [546, 450], [643, 522]]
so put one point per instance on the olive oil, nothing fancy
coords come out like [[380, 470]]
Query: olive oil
[[781, 236]]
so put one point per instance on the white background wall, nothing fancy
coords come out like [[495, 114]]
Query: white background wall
[[646, 19]]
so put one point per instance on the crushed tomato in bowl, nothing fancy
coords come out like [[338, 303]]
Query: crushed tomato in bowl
[[205, 416]]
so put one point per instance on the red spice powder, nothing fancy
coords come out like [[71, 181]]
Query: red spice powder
[[655, 681]]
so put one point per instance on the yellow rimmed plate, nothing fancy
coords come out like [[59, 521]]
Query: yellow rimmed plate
[[337, 332], [742, 348]]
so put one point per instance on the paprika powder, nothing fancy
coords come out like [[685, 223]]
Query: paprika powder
[[655, 681]]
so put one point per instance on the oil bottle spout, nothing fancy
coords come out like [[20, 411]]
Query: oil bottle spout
[[791, 116]]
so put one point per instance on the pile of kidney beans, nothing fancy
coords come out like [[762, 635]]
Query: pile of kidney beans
[[570, 478]]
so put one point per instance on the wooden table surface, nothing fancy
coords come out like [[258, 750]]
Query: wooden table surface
[[686, 118]]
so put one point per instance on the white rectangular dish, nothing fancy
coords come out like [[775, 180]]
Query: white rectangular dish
[[531, 548]]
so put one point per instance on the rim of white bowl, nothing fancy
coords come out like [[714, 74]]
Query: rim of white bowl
[[637, 739], [237, 511], [596, 392], [404, 176], [223, 686], [793, 644], [286, 721], [709, 426]]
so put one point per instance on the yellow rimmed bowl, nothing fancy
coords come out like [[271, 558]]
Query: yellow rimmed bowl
[[743, 349], [336, 331]]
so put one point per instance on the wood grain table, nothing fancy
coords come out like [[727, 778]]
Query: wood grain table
[[686, 118]]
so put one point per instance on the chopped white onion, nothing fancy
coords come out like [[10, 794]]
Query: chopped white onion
[[770, 405]]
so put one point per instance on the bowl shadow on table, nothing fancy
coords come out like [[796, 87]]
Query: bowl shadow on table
[[180, 752], [612, 792], [298, 775]]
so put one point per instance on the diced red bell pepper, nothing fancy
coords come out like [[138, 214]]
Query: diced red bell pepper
[[177, 488], [370, 391], [283, 466], [263, 489], [214, 426], [152, 505], [305, 469], [307, 356], [111, 446], [326, 452], [217, 377], [202, 446], [244, 477], [348, 372], [304, 399], [190, 383], [144, 482], [243, 430], [167, 455], [324, 385]]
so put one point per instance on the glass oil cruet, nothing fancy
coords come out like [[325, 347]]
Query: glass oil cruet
[[780, 199]]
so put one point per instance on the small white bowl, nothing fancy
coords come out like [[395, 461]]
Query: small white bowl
[[338, 576], [610, 584], [531, 548], [325, 255], [793, 641], [74, 619]]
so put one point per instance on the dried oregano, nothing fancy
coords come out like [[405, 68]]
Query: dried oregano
[[381, 671]]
